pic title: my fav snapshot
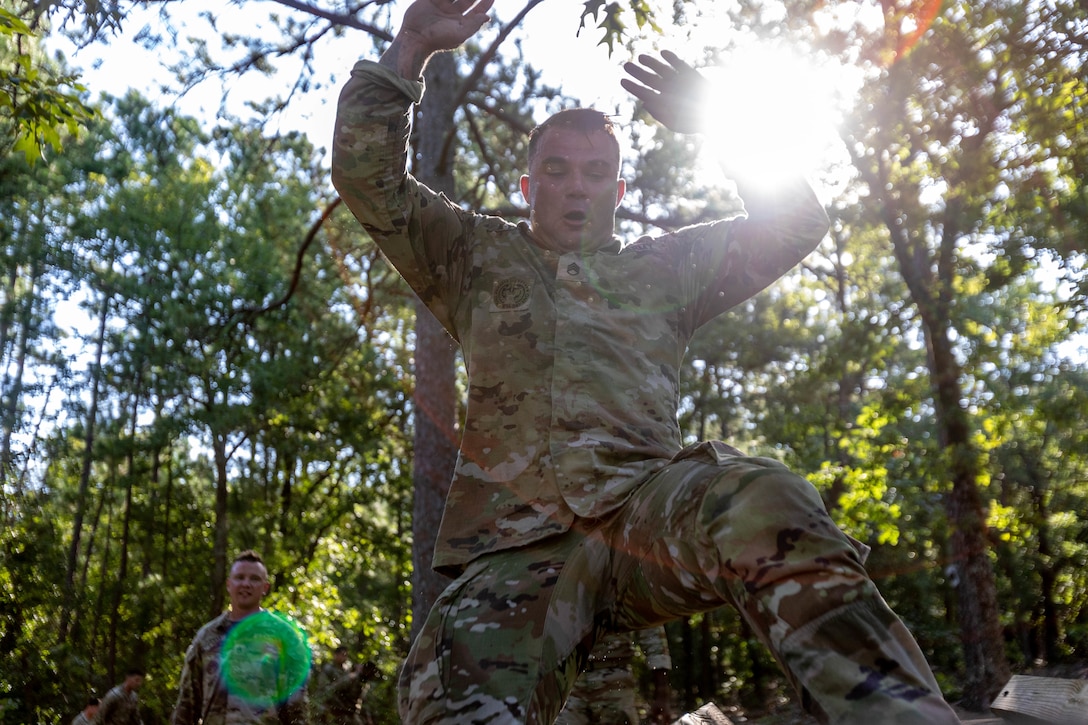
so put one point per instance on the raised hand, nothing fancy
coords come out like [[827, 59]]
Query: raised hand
[[672, 91], [444, 24], [432, 26]]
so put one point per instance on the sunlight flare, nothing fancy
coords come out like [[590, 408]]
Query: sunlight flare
[[771, 112]]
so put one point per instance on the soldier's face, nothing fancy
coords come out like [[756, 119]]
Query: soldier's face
[[248, 582], [573, 189]]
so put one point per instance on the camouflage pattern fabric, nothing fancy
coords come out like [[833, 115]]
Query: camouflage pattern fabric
[[508, 637], [119, 707], [573, 359], [337, 691], [204, 698], [606, 692], [573, 510]]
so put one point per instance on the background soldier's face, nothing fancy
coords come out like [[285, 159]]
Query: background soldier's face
[[248, 582]]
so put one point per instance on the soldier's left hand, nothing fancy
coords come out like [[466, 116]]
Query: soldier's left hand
[[672, 91]]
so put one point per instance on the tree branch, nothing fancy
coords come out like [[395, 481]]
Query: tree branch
[[473, 78], [338, 18]]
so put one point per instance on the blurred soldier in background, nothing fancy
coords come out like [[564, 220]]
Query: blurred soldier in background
[[606, 693]]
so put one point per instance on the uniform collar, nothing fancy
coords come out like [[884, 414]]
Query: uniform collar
[[613, 247]]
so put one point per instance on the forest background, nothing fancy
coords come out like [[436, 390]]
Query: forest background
[[253, 374]]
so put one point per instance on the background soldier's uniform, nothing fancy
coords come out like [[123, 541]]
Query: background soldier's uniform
[[204, 698], [337, 691], [573, 509], [119, 707], [606, 692], [81, 719]]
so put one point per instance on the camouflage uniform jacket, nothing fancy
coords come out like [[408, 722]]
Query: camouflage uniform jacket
[[119, 707], [573, 359], [81, 719], [203, 697], [337, 690]]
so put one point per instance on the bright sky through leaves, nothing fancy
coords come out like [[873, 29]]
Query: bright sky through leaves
[[773, 99]]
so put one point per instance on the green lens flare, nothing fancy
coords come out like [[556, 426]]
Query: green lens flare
[[265, 659]]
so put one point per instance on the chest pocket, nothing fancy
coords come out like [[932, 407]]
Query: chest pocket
[[510, 294]]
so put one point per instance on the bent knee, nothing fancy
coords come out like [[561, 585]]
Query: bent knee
[[761, 486], [760, 507]]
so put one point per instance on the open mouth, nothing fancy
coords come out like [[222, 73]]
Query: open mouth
[[576, 217]]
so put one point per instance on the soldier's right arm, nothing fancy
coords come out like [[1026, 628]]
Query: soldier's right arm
[[416, 228], [433, 26], [370, 140]]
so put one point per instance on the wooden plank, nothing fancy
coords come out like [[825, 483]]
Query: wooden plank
[[1043, 699], [708, 714]]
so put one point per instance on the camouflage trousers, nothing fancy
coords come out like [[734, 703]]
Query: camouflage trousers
[[603, 695], [505, 641]]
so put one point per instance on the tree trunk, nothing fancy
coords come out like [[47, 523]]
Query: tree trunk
[[168, 495], [1050, 634], [147, 566], [435, 455], [930, 278], [100, 599], [978, 614], [84, 476], [126, 532], [9, 411], [435, 398], [222, 525]]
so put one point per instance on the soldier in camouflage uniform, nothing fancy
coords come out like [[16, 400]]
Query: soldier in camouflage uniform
[[121, 705], [204, 697], [574, 509], [337, 687], [87, 715], [606, 692]]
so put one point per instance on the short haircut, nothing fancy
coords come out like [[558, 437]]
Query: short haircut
[[248, 555], [93, 701], [586, 120], [134, 671]]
